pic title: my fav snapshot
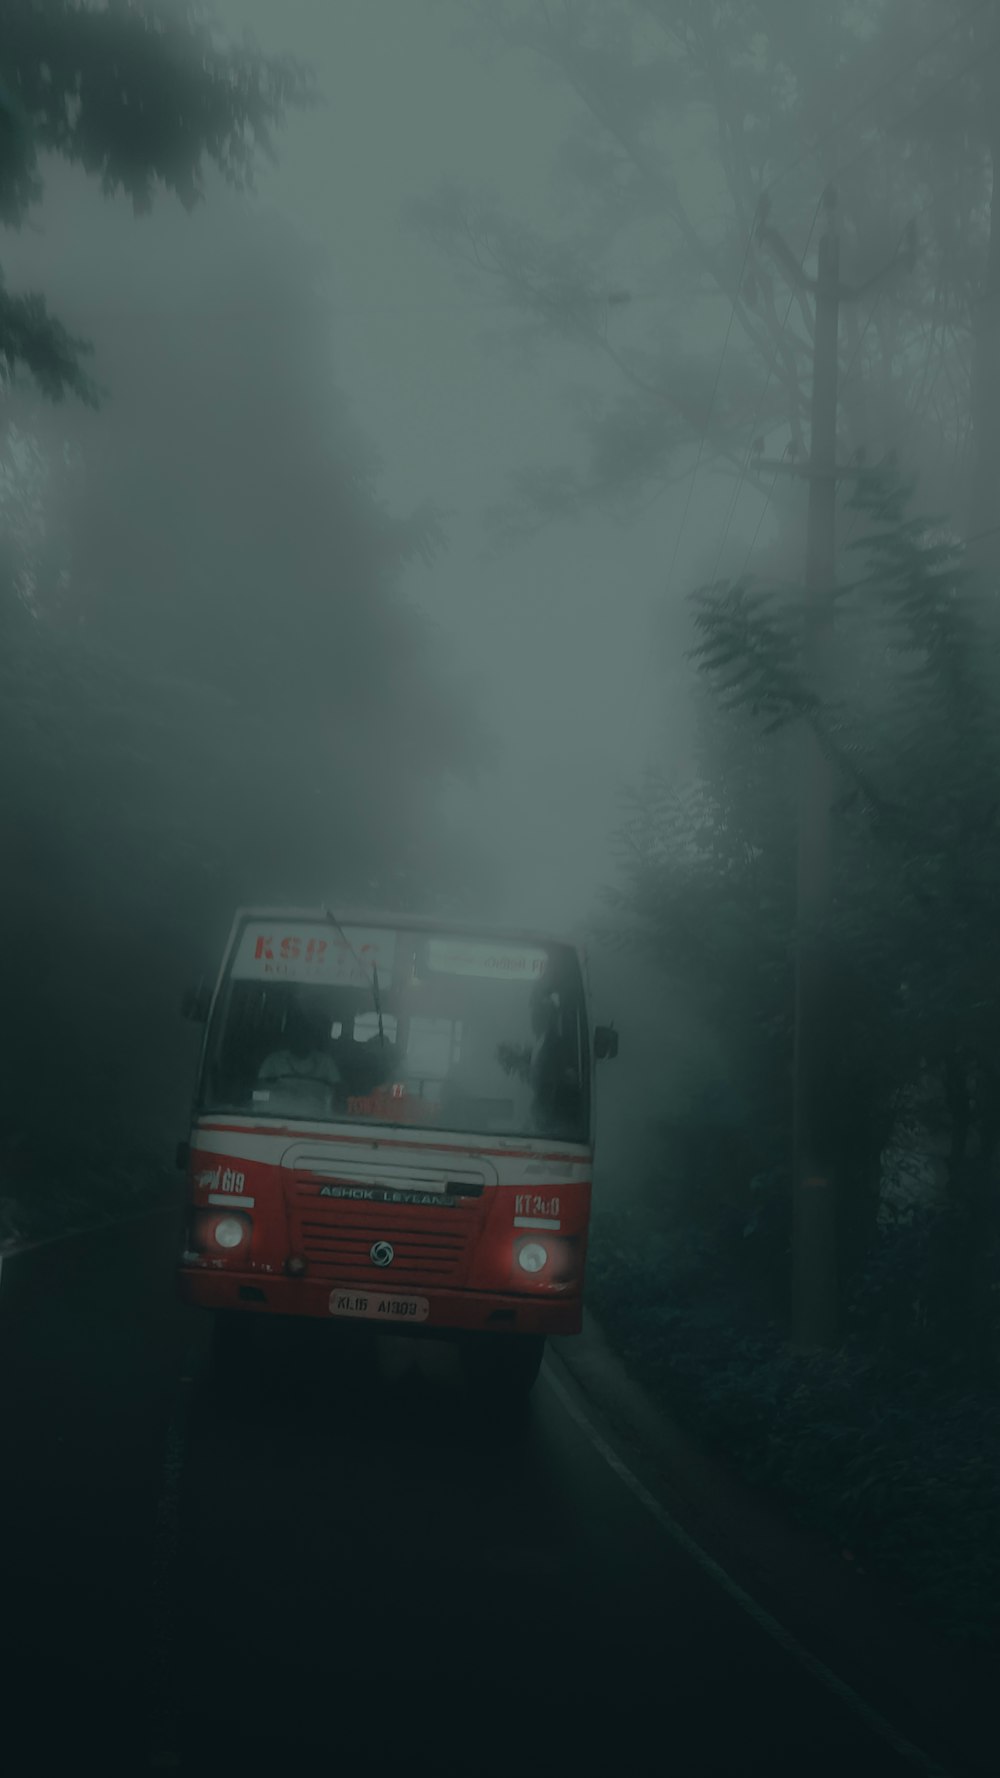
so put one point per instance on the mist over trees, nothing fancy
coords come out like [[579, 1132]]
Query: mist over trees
[[216, 688], [145, 98], [213, 687], [692, 186], [894, 102]]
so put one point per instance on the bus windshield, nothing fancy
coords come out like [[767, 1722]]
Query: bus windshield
[[386, 1026]]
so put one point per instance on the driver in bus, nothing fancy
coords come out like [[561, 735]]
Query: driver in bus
[[303, 1071]]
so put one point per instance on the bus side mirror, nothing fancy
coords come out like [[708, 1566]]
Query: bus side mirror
[[605, 1043], [196, 1003]]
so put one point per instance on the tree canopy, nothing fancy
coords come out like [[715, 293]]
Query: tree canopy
[[213, 689], [708, 140], [144, 95], [893, 103]]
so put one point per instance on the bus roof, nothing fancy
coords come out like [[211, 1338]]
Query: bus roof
[[487, 929]]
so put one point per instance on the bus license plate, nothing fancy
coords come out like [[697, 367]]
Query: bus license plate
[[369, 1305]]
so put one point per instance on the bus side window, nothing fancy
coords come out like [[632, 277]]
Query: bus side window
[[250, 1033]]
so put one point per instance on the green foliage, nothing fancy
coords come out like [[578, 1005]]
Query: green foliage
[[907, 716], [750, 650], [143, 96], [923, 711], [892, 1457], [34, 339]]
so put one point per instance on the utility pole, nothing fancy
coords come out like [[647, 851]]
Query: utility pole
[[814, 1291], [983, 477], [814, 1221]]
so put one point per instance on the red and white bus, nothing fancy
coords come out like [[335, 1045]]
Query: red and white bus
[[393, 1125]]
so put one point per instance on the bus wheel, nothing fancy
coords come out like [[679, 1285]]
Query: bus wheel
[[504, 1367]]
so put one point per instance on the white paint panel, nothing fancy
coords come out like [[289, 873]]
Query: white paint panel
[[272, 1146], [352, 1160], [300, 951], [488, 962]]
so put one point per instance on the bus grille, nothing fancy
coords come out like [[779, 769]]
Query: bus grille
[[339, 1247]]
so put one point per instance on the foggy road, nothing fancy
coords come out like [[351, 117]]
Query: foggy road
[[497, 468], [344, 1560]]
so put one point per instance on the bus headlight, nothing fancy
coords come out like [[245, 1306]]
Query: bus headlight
[[215, 1233], [532, 1256], [553, 1264]]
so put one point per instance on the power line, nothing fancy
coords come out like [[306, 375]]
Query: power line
[[693, 472], [758, 412], [711, 405], [359, 310], [846, 166], [816, 147], [884, 87], [856, 354], [850, 366], [765, 504]]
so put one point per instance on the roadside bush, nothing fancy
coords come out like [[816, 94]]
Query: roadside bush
[[870, 1446], [929, 1293]]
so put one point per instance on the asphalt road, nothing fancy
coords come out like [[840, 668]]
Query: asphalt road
[[344, 1566]]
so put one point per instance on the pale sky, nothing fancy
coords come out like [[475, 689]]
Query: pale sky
[[554, 638]]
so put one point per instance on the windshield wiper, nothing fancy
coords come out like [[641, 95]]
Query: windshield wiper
[[376, 996]]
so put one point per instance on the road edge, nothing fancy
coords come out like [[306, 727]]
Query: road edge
[[936, 1692]]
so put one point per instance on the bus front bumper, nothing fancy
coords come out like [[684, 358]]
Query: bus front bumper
[[447, 1311]]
